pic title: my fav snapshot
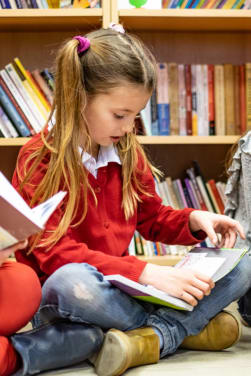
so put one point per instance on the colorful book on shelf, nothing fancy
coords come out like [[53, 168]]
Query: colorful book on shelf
[[219, 95], [203, 187], [211, 102], [13, 114], [154, 114], [188, 85], [18, 221], [182, 100], [16, 99], [213, 262], [43, 85], [194, 101], [173, 98], [229, 99], [8, 129], [163, 100]]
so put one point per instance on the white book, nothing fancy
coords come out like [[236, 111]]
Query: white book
[[40, 122], [206, 104], [146, 118], [20, 101], [17, 220], [213, 262]]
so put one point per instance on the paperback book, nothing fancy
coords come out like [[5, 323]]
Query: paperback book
[[17, 220], [214, 262]]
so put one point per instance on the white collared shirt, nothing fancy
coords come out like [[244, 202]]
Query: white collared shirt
[[106, 154]]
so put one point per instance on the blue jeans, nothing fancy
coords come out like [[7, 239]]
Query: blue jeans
[[79, 293]]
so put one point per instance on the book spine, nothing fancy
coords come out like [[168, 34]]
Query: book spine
[[237, 99], [174, 98], [229, 99], [211, 194], [154, 113], [195, 203], [219, 93], [191, 174], [24, 88], [188, 84], [211, 103], [198, 173], [43, 85], [206, 100], [194, 101], [163, 100], [217, 196], [16, 99], [36, 91], [13, 114], [182, 100], [48, 78], [11, 130]]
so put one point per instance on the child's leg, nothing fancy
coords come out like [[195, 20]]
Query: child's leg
[[176, 325], [20, 295], [245, 308]]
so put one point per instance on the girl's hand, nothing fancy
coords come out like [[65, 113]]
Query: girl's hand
[[183, 283], [212, 224], [5, 253]]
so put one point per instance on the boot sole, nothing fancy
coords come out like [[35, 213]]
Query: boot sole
[[114, 357]]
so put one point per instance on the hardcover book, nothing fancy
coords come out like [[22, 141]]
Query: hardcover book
[[214, 262], [17, 220]]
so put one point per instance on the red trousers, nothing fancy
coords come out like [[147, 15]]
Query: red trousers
[[20, 295]]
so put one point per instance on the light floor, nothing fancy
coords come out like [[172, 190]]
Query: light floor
[[235, 361]]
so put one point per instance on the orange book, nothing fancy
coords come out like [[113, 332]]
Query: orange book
[[216, 194]]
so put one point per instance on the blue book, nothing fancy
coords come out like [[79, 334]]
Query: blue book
[[163, 100], [154, 114], [12, 113], [194, 5], [5, 4], [163, 119], [189, 3]]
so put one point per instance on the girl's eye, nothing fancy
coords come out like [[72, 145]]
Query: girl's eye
[[119, 116]]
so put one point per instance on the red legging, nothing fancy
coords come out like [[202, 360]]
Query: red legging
[[20, 295]]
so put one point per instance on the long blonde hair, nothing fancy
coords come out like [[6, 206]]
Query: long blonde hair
[[112, 59]]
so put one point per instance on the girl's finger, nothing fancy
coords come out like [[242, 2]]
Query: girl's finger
[[188, 298]]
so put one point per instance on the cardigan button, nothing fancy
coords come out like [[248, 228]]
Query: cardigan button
[[107, 225], [97, 189]]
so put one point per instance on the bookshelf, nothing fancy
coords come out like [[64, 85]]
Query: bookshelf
[[182, 36]]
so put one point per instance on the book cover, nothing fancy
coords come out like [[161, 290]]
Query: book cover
[[36, 119], [229, 99], [163, 100], [219, 94], [16, 99], [173, 98], [17, 220], [13, 114], [214, 262], [10, 130], [182, 100]]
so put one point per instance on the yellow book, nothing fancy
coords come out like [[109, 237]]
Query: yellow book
[[41, 112], [239, 5], [36, 91], [229, 4], [81, 4], [210, 4]]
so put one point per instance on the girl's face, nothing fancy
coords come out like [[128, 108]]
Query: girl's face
[[110, 116]]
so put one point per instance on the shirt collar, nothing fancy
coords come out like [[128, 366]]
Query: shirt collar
[[106, 155]]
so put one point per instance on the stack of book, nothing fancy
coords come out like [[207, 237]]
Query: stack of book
[[200, 100], [192, 192], [25, 99]]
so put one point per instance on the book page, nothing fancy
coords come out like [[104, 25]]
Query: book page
[[43, 211]]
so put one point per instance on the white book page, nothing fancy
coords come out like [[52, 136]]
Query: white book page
[[8, 192], [43, 211]]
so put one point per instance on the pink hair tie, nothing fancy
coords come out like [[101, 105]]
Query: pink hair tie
[[117, 27], [83, 44]]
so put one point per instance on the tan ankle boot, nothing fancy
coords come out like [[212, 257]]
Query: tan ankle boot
[[122, 350], [223, 331]]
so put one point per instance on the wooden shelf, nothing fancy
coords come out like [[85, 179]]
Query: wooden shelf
[[190, 140], [50, 19], [186, 19], [152, 140], [167, 260]]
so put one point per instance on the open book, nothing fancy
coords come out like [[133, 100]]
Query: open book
[[214, 262], [17, 220]]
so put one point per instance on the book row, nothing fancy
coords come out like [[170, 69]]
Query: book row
[[193, 192], [46, 4], [25, 99], [184, 4], [199, 99]]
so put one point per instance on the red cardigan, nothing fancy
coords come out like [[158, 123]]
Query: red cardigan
[[103, 237]]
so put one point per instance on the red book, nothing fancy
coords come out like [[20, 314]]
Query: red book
[[17, 107], [211, 113], [216, 194], [242, 100], [188, 84]]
